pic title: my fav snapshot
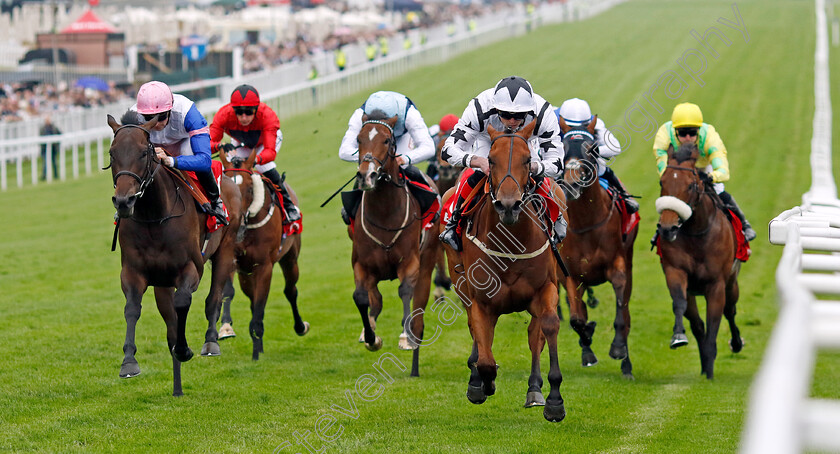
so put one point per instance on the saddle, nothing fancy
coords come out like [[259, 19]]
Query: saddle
[[197, 192]]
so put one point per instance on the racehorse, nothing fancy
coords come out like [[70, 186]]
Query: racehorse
[[164, 243], [388, 238], [260, 244], [447, 177], [697, 245], [506, 266], [595, 249]]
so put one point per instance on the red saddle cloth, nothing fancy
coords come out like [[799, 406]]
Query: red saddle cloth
[[428, 216], [742, 247], [213, 224], [628, 221], [289, 228]]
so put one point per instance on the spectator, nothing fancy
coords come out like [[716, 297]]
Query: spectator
[[49, 129]]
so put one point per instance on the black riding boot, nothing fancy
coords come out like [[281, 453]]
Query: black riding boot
[[292, 211], [450, 233], [749, 233], [208, 182], [631, 204]]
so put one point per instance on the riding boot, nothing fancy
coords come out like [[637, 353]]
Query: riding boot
[[560, 229], [214, 208], [450, 233], [729, 201], [292, 211], [613, 181], [414, 174]]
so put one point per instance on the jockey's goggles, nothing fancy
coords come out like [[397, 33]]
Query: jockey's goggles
[[244, 110], [512, 115], [691, 132], [160, 116]]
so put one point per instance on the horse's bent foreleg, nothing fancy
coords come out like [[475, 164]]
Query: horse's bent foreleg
[[621, 282], [185, 285], [554, 409], [475, 393], [677, 282], [133, 288], [536, 342], [409, 274], [578, 321], [291, 274], [736, 343], [222, 267]]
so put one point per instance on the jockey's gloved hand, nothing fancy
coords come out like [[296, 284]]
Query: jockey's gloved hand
[[227, 147], [537, 168]]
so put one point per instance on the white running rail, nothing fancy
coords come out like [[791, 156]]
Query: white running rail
[[782, 417]]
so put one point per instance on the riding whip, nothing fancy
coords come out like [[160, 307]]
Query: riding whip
[[339, 190]]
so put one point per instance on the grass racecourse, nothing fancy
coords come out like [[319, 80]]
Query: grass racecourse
[[62, 308]]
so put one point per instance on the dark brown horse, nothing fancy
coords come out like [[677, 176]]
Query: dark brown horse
[[697, 244], [388, 239], [260, 244], [447, 177], [595, 249], [164, 244], [507, 266]]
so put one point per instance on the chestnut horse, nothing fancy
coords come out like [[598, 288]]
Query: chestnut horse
[[447, 177], [388, 238], [260, 244], [164, 244], [697, 245], [595, 250], [507, 266]]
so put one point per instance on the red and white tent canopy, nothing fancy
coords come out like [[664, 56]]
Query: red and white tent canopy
[[89, 23]]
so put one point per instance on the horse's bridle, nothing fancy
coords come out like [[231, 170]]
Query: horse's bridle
[[392, 153], [148, 173], [493, 187], [693, 188], [586, 152]]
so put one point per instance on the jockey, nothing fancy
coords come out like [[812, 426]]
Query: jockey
[[251, 124], [576, 112], [687, 125], [181, 132], [409, 130], [440, 132], [508, 106]]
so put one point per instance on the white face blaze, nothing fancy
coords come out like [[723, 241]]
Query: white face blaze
[[372, 134], [237, 179]]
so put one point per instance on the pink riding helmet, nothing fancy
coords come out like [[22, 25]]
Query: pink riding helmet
[[154, 97]]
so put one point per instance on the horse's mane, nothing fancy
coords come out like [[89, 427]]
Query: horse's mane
[[378, 115], [685, 152], [130, 117]]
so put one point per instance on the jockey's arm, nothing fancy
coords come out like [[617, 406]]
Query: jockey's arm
[[199, 132], [424, 146], [551, 152], [660, 147], [269, 136], [716, 152], [349, 149], [217, 128], [608, 144], [458, 147]]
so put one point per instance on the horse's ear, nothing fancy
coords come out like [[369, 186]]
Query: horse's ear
[[365, 118], [223, 157], [249, 163], [151, 123], [592, 123], [392, 121], [528, 130], [564, 127], [492, 132], [112, 122]]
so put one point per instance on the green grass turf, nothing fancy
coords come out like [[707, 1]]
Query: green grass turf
[[63, 327]]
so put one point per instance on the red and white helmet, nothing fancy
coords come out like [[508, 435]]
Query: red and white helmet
[[154, 97], [244, 96], [448, 122]]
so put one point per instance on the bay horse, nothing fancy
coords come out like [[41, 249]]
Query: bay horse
[[595, 249], [447, 177], [260, 244], [507, 266], [164, 244], [697, 245], [388, 238]]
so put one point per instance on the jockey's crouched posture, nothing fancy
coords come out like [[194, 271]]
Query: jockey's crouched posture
[[509, 106], [576, 112], [687, 125], [251, 124], [182, 132], [410, 130]]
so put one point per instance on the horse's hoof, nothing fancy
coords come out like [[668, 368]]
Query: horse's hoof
[[377, 344], [618, 352], [210, 349], [534, 399], [184, 356], [628, 376], [554, 412], [362, 337], [226, 331], [678, 340], [439, 293], [128, 370], [476, 395], [405, 344], [588, 359], [592, 302], [737, 346], [305, 329]]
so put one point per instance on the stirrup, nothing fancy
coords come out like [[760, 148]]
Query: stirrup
[[292, 214], [345, 217], [451, 238], [630, 204], [749, 233], [219, 212]]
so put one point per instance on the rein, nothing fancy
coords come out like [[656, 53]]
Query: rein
[[510, 165], [700, 194], [399, 230], [597, 225]]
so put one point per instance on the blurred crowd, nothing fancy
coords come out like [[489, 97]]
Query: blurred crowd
[[25, 100]]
